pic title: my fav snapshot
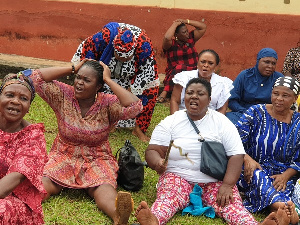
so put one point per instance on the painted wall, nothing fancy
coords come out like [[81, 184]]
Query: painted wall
[[54, 29], [290, 7]]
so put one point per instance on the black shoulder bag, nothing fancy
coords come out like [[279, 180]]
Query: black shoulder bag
[[213, 157], [131, 168]]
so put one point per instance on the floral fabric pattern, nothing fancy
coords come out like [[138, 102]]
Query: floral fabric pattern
[[23, 152]]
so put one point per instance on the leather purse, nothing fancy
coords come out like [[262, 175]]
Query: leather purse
[[213, 156]]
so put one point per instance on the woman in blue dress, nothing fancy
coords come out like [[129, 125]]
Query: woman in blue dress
[[271, 137], [253, 86]]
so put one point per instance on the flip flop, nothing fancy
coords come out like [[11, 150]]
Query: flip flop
[[161, 99], [124, 207]]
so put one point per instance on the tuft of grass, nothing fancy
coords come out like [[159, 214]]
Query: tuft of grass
[[75, 206]]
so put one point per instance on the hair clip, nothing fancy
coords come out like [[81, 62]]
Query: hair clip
[[20, 76]]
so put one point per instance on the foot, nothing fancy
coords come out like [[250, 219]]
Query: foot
[[124, 207], [271, 219], [140, 134], [282, 217], [145, 216], [277, 218], [162, 97], [291, 212]]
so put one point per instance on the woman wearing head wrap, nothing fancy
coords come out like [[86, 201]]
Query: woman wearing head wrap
[[270, 135], [128, 52], [22, 154], [291, 65], [253, 86]]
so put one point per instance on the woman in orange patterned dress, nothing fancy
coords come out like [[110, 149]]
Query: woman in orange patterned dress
[[81, 156]]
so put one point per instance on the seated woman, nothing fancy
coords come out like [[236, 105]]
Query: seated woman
[[81, 156], [291, 64], [270, 135], [253, 86], [182, 170], [221, 86], [22, 154], [180, 51]]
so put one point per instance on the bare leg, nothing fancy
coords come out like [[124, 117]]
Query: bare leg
[[105, 198], [140, 134], [51, 187], [145, 216], [291, 212]]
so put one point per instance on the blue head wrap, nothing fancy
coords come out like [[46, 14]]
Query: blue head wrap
[[266, 52]]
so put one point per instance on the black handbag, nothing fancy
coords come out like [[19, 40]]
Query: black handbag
[[213, 157], [131, 168]]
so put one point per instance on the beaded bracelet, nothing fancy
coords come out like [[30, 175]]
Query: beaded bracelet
[[73, 70]]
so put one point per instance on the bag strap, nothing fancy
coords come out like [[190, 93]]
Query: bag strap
[[201, 139]]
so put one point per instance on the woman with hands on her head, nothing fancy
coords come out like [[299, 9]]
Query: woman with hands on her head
[[270, 135], [81, 156], [182, 171], [22, 154], [180, 51]]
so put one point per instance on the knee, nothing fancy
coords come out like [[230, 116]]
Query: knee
[[51, 187]]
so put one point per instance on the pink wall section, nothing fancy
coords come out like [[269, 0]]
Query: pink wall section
[[53, 30]]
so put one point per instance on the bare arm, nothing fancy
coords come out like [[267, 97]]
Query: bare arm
[[167, 41], [125, 97], [200, 28], [54, 73], [155, 155], [175, 98], [233, 172], [9, 182], [223, 109]]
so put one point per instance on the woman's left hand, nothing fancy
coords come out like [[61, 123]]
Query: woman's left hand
[[225, 195], [280, 181], [106, 72]]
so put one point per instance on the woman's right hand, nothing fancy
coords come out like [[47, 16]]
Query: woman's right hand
[[77, 66], [160, 167], [178, 22], [106, 72], [249, 166]]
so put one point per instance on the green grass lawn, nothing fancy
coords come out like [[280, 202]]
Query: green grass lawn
[[75, 206]]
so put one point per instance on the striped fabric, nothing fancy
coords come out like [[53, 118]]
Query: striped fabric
[[276, 147]]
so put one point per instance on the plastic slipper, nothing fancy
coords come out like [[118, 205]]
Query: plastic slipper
[[124, 207], [161, 99]]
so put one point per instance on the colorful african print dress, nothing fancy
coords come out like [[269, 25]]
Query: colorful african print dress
[[180, 58], [140, 73], [81, 156], [292, 63], [23, 152], [276, 147]]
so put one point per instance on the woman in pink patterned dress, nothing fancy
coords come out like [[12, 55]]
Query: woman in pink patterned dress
[[81, 156], [22, 155]]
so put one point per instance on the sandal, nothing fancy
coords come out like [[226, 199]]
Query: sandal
[[124, 207], [160, 99]]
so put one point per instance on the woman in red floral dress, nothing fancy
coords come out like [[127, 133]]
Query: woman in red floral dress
[[22, 155]]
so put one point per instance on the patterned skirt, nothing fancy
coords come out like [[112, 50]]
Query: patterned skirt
[[80, 166]]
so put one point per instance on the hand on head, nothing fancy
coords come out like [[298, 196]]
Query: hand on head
[[106, 72]]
